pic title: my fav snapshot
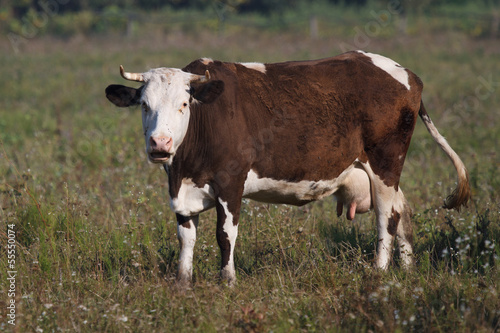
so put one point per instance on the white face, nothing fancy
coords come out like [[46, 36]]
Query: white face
[[165, 112]]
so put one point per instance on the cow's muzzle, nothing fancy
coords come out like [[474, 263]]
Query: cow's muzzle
[[159, 149]]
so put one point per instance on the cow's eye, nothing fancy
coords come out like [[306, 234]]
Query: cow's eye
[[145, 107], [181, 110]]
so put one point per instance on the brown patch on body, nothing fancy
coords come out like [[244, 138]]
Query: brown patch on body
[[387, 154], [392, 227]]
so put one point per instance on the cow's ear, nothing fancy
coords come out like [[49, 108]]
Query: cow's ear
[[123, 96], [208, 92]]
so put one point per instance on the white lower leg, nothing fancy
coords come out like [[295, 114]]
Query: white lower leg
[[406, 252], [385, 241], [405, 231], [228, 272], [186, 233]]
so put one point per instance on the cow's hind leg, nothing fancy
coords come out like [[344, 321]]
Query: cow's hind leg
[[404, 230], [186, 233], [383, 159], [389, 208]]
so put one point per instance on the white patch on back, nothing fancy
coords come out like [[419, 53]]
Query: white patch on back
[[206, 61], [293, 193], [192, 200], [390, 66], [255, 66]]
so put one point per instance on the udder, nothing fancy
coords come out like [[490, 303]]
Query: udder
[[354, 194]]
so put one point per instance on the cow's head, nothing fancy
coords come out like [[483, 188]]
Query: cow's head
[[165, 99]]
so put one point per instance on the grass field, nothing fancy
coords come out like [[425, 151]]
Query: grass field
[[95, 240]]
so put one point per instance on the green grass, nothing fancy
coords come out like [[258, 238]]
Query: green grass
[[96, 241]]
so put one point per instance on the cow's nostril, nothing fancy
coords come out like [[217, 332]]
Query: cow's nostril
[[152, 142]]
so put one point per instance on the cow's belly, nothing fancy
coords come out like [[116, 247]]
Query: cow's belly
[[192, 200], [285, 192]]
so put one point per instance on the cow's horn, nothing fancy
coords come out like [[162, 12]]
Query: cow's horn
[[201, 78], [131, 76]]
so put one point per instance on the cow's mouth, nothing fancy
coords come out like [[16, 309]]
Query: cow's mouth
[[159, 157]]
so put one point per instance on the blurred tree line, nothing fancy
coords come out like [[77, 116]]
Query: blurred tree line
[[21, 20], [18, 8]]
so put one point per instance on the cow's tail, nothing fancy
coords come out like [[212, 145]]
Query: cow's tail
[[462, 193]]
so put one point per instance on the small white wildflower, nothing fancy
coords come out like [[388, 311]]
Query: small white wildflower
[[373, 296], [123, 318]]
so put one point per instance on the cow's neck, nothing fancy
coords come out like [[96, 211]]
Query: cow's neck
[[195, 156]]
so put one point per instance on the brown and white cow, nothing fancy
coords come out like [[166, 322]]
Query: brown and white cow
[[291, 133]]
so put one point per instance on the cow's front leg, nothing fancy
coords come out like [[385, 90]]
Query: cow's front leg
[[186, 233], [227, 231]]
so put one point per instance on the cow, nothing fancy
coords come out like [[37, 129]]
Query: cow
[[290, 133]]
